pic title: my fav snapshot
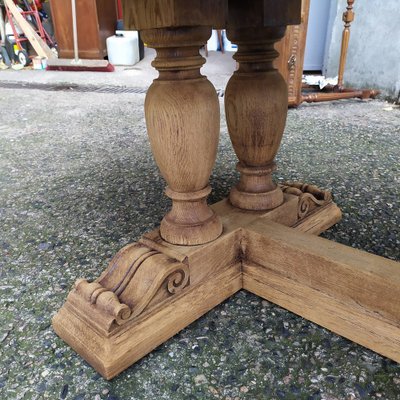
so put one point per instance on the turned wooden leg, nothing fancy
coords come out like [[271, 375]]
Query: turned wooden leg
[[256, 108], [183, 119], [348, 18]]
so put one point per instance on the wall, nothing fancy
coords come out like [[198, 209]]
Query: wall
[[373, 59]]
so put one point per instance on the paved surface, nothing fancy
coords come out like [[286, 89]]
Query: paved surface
[[77, 182], [219, 68]]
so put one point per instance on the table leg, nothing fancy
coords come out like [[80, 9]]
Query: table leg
[[183, 118], [256, 109]]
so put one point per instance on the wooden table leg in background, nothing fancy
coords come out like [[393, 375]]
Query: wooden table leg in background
[[256, 108], [348, 18], [259, 240], [339, 92]]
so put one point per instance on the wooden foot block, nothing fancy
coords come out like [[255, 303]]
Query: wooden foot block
[[152, 289], [149, 292], [305, 208], [112, 352], [350, 292]]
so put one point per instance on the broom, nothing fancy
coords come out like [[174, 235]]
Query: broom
[[59, 64]]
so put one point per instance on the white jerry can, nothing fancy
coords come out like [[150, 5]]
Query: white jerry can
[[123, 48]]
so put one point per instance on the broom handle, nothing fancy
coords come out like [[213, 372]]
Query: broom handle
[[75, 30], [119, 9]]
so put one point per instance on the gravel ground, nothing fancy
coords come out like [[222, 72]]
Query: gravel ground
[[77, 182]]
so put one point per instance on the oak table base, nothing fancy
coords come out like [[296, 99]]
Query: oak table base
[[152, 289], [201, 256]]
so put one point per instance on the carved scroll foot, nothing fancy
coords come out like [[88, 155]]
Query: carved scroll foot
[[152, 289], [316, 211], [148, 293]]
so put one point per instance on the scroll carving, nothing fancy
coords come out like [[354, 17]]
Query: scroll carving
[[176, 277], [310, 197], [105, 300], [138, 278], [178, 280]]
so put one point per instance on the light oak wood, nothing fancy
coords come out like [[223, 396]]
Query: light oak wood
[[182, 115], [334, 269], [41, 48], [316, 212], [352, 293], [151, 14], [256, 109], [355, 323], [320, 221], [152, 289], [173, 275], [182, 110], [262, 13], [111, 354], [256, 98], [348, 18]]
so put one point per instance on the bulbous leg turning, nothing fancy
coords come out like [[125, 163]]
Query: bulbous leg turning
[[256, 107], [183, 118]]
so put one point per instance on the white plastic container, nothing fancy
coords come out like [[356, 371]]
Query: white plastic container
[[228, 45], [212, 44], [38, 63], [123, 48]]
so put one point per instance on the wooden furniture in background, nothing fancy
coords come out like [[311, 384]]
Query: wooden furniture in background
[[291, 61], [338, 91], [260, 239], [96, 21], [348, 18], [291, 55]]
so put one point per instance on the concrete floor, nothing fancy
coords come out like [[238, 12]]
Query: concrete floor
[[78, 181], [219, 68]]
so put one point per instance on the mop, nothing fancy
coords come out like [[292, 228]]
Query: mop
[[59, 64]]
